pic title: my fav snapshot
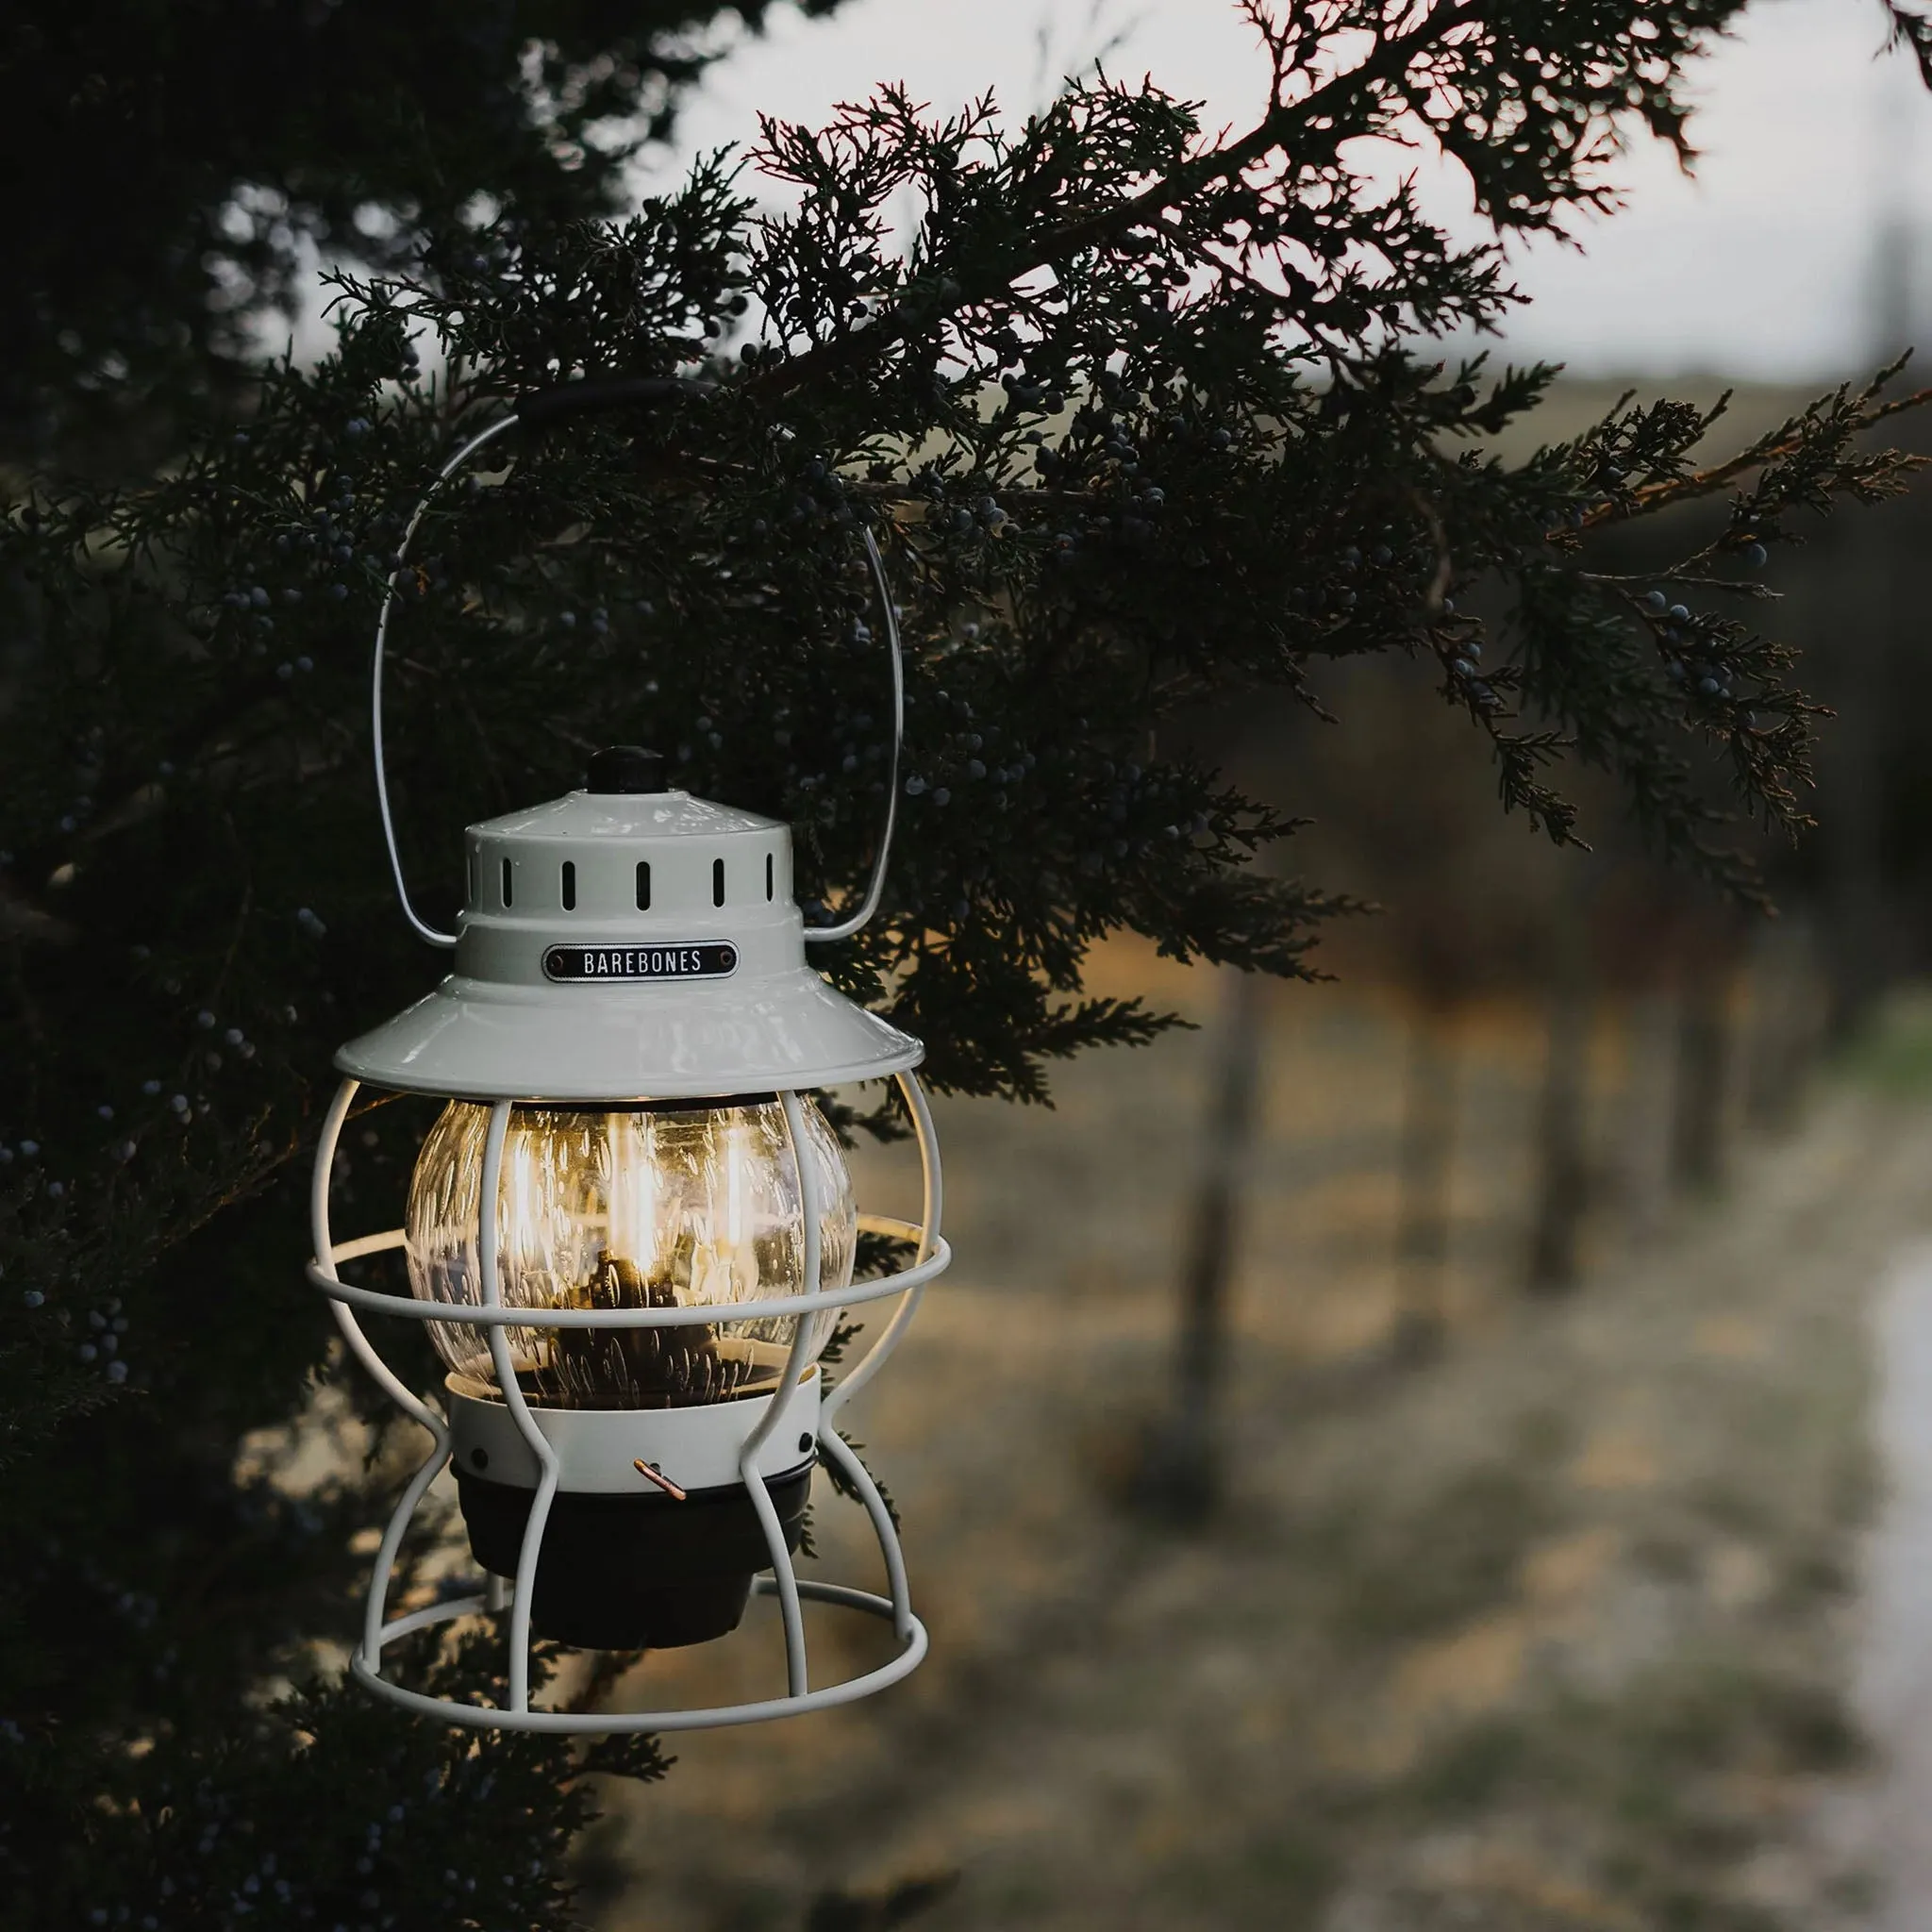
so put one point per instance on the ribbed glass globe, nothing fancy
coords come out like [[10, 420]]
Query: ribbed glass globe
[[674, 1204]]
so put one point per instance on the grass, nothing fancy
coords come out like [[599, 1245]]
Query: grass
[[1447, 1561], [1893, 1052]]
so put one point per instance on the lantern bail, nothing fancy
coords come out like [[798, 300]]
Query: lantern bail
[[532, 414]]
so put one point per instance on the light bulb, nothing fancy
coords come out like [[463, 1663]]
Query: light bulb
[[672, 1203]]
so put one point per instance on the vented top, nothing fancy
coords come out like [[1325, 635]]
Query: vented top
[[626, 941]]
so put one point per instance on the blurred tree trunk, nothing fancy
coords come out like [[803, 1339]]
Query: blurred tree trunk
[[1648, 1100], [1697, 1125], [1851, 609], [1426, 1169], [1783, 1031], [1562, 1152], [1184, 1475]]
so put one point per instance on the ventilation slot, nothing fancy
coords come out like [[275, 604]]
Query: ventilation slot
[[770, 861], [644, 885], [507, 896], [717, 882], [570, 886]]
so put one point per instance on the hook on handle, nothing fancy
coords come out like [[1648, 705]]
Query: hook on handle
[[533, 413]]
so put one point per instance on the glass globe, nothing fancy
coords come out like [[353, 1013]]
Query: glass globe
[[672, 1203]]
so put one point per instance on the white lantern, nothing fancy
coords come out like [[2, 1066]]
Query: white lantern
[[631, 1231]]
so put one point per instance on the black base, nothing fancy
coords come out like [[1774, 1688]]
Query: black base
[[635, 1572]]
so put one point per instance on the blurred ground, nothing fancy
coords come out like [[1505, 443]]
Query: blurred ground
[[1554, 1630]]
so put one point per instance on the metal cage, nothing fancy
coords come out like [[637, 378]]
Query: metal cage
[[906, 1284]]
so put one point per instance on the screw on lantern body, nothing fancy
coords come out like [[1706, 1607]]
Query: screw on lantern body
[[630, 1232]]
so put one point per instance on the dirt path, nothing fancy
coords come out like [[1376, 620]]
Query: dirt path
[[1894, 1683], [1553, 1633]]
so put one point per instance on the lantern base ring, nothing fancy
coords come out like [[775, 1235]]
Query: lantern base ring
[[600, 1723]]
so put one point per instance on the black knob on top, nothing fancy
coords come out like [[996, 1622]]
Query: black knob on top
[[626, 767]]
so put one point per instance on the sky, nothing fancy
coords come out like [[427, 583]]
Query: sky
[[1817, 165]]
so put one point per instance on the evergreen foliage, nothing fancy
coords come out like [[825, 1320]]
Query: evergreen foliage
[[1143, 420], [177, 166]]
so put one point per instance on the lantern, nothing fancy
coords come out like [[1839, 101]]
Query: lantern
[[630, 1232]]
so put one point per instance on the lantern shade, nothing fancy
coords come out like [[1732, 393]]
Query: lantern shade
[[471, 1040], [629, 948]]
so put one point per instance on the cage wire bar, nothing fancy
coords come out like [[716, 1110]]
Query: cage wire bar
[[931, 1256]]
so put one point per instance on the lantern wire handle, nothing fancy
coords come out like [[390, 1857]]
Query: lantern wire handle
[[875, 886], [531, 412], [389, 600]]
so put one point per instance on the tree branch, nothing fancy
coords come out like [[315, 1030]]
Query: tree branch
[[1767, 449], [1274, 131]]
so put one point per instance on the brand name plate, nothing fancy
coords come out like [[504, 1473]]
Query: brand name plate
[[706, 959]]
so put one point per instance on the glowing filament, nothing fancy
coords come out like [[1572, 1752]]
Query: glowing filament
[[631, 1229]]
